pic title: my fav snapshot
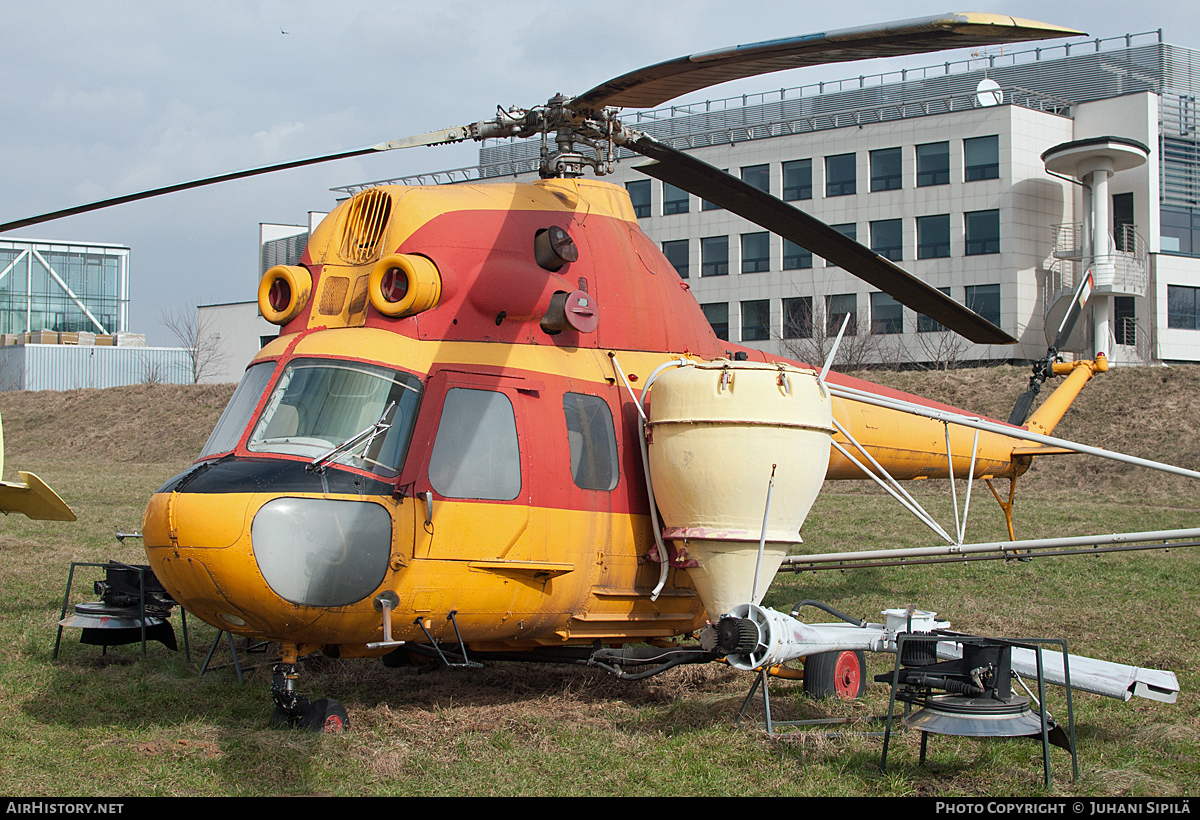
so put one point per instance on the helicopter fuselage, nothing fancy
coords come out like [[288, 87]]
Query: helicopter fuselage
[[477, 455]]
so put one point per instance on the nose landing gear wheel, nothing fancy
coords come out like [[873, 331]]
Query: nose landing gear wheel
[[835, 674], [323, 715]]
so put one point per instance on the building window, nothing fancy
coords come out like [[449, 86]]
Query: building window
[[1123, 230], [679, 255], [675, 200], [592, 442], [756, 320], [887, 238], [1182, 304], [933, 164], [756, 252], [714, 256], [717, 314], [885, 170], [846, 229], [797, 318], [982, 231], [639, 195], [797, 180], [887, 316], [796, 257], [927, 325], [981, 158], [837, 307], [985, 300], [705, 205], [759, 176], [1125, 320], [933, 236], [840, 175], [1180, 231]]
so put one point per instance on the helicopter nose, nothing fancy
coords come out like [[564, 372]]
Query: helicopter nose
[[321, 552], [259, 565]]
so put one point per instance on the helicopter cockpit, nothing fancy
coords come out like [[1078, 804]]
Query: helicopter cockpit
[[331, 411]]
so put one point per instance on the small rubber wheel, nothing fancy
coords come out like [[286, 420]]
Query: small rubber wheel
[[326, 716], [835, 674], [280, 719], [283, 719]]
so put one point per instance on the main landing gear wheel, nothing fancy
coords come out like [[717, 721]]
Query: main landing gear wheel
[[835, 674], [323, 715]]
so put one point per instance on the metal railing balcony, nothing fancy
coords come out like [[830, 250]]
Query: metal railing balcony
[[1123, 271], [1129, 343]]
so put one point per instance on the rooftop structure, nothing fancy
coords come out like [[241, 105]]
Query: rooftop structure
[[63, 286]]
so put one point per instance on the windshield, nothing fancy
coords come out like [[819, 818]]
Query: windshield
[[318, 405]]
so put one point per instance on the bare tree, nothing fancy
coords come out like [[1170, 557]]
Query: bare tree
[[199, 338], [809, 338], [152, 369], [941, 349]]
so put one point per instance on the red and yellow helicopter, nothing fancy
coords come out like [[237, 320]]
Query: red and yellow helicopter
[[446, 451]]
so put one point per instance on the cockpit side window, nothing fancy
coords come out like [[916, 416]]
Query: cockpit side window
[[592, 440], [228, 432]]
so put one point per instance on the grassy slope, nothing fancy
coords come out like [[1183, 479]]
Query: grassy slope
[[118, 725]]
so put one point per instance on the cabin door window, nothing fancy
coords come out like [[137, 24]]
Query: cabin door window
[[475, 454], [592, 441], [479, 490]]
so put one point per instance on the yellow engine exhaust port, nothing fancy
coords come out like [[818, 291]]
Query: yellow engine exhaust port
[[283, 292], [404, 284]]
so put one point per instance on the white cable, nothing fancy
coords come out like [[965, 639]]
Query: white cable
[[663, 559]]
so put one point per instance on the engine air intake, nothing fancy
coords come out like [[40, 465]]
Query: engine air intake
[[404, 284], [283, 292], [366, 227]]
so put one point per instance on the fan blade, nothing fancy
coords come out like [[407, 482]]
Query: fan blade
[[698, 177], [445, 135], [656, 84]]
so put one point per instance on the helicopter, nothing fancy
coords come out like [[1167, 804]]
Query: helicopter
[[483, 395]]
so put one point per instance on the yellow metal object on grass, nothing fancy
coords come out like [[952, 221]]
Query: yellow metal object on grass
[[31, 496]]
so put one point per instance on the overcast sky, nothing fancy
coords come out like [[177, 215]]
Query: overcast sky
[[105, 98]]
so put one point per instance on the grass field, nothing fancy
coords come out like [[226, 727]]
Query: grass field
[[118, 725]]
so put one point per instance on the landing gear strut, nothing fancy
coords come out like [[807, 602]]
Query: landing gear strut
[[296, 711]]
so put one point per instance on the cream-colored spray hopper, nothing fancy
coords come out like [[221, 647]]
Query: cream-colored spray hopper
[[716, 429]]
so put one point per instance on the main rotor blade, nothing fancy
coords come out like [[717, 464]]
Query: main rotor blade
[[656, 84], [716, 186], [457, 134]]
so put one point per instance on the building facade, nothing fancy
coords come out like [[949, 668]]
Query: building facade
[[939, 169], [63, 287]]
